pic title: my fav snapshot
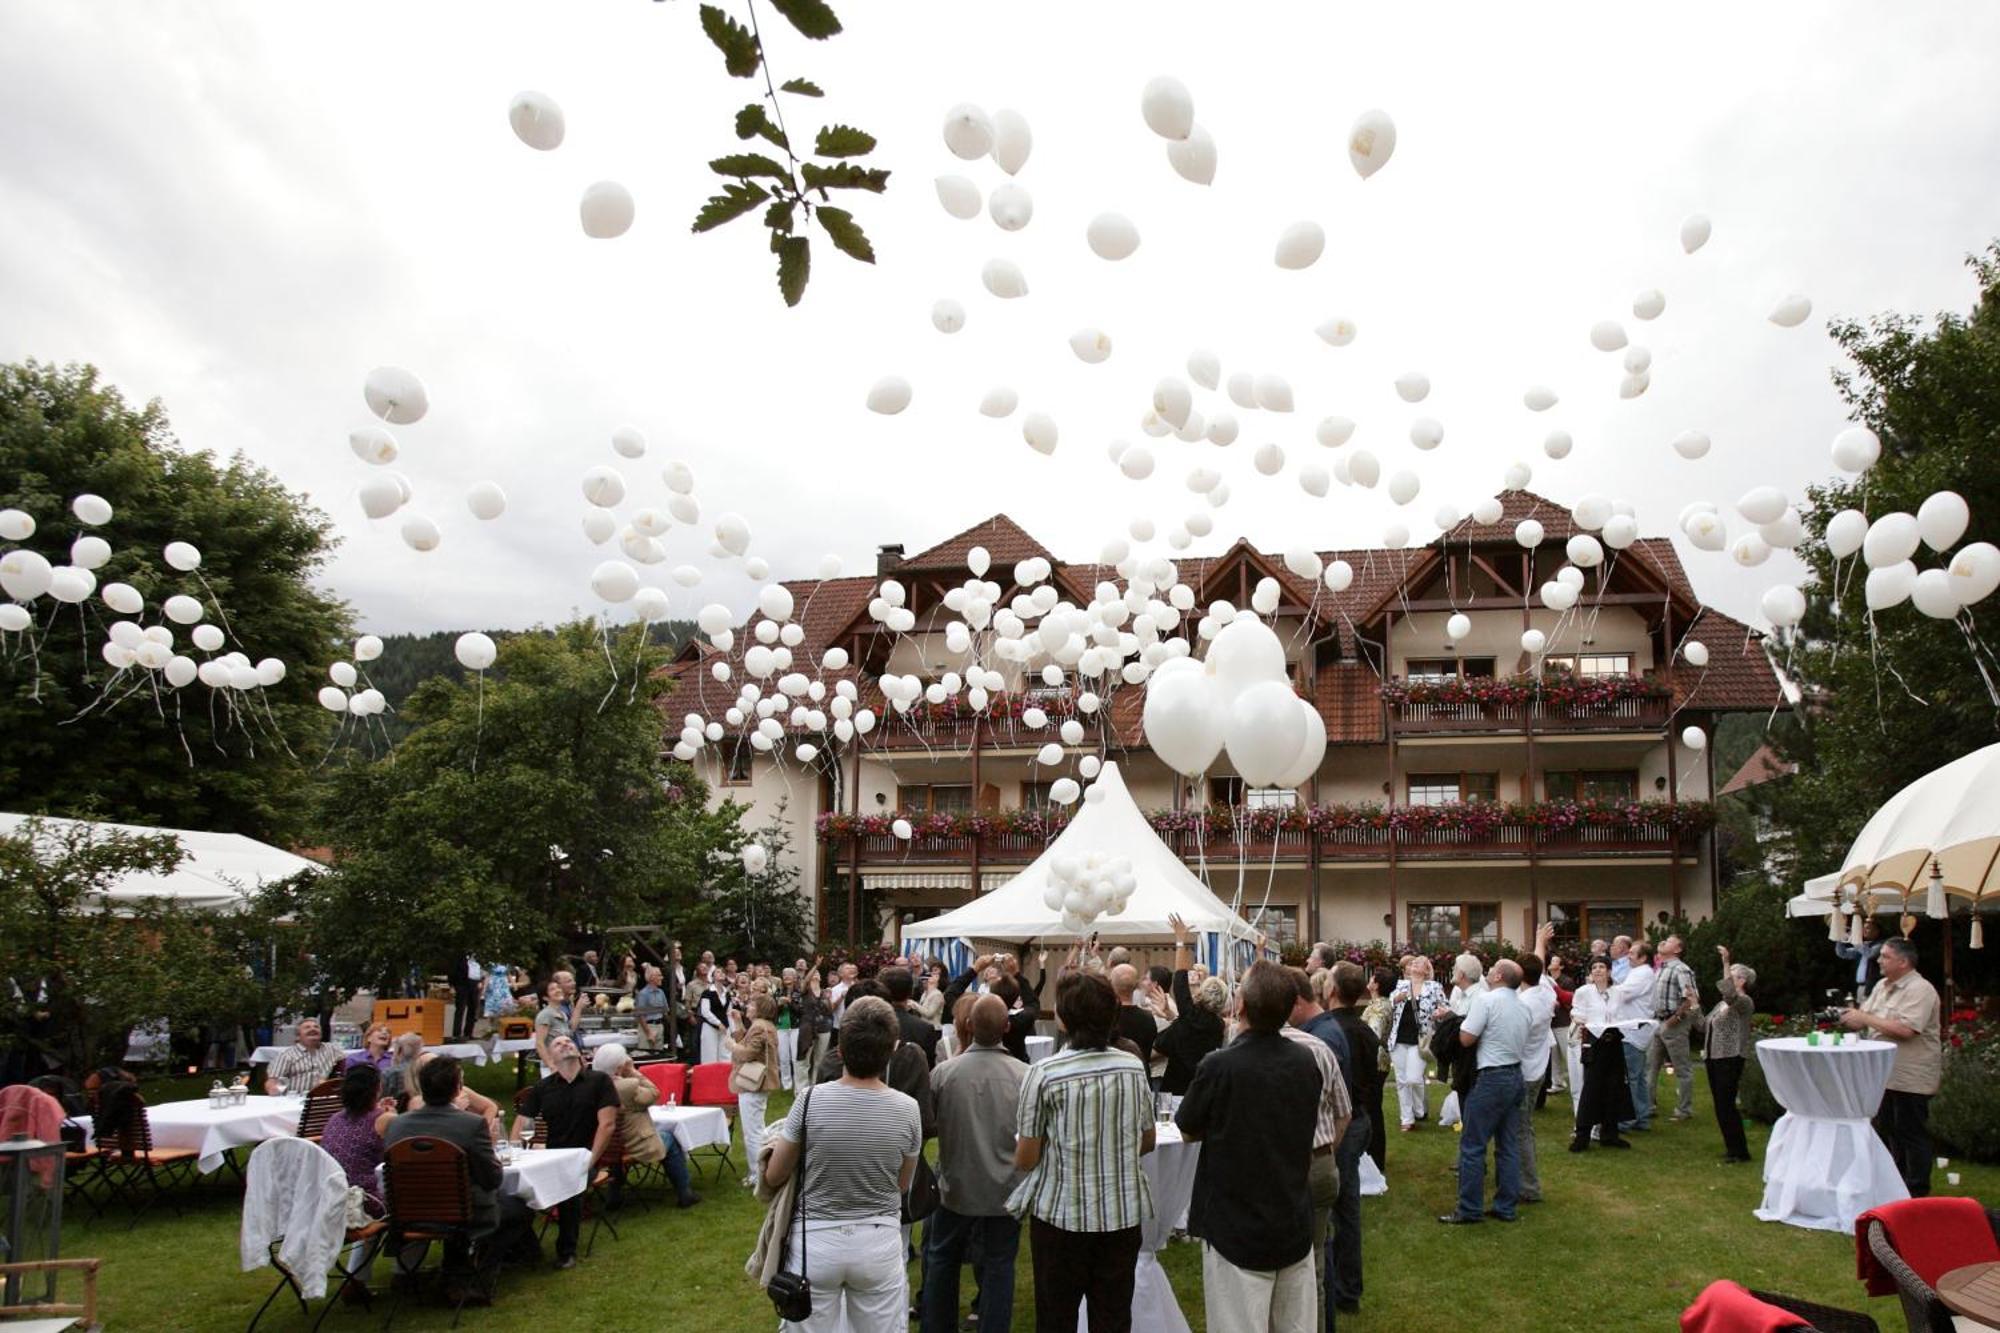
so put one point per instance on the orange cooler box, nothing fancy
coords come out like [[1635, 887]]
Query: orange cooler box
[[423, 1016]]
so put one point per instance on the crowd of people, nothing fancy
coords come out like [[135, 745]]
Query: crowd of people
[[1281, 1074]]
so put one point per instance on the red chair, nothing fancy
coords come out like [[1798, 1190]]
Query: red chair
[[708, 1085], [670, 1079]]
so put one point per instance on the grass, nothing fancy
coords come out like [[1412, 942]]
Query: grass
[[1654, 1225]]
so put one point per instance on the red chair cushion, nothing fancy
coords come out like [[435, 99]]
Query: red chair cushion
[[670, 1079], [1724, 1307], [708, 1085], [1933, 1236]]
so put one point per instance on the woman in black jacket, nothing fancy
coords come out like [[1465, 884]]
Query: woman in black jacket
[[1198, 1029]]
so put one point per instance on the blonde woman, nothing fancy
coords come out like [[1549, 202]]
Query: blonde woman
[[755, 1073], [1413, 1008]]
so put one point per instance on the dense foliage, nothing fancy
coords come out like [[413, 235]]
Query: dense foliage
[[159, 756]]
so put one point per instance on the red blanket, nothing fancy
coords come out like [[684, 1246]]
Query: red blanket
[[1933, 1236], [1724, 1307]]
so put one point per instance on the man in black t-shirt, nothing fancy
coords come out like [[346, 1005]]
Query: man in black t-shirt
[[1134, 1024], [576, 1107]]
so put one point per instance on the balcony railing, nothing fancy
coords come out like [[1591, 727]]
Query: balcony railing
[[1512, 704], [1467, 831]]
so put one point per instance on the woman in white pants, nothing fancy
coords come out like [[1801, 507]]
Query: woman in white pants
[[1412, 1005], [757, 1045], [860, 1144], [712, 1009]]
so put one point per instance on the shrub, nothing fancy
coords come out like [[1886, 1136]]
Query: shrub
[[1965, 1114]]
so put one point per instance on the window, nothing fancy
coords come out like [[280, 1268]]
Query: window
[[1454, 925], [940, 800], [1035, 795], [1589, 785], [1279, 924], [1436, 669], [1444, 788], [1588, 665], [740, 755], [1232, 792], [1577, 924]]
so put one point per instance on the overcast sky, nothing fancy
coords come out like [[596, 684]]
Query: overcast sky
[[241, 208]]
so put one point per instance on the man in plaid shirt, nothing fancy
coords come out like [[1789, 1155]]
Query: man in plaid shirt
[[309, 1060], [1676, 997]]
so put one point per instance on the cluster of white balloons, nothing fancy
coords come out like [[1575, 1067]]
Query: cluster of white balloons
[[1889, 546], [1085, 888], [341, 696], [606, 209], [1237, 698]]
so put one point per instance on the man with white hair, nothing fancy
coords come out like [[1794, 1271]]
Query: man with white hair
[[578, 1108], [642, 1142], [307, 1061], [1633, 1004], [1675, 995], [1498, 1028]]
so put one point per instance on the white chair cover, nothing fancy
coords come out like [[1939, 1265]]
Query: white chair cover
[[296, 1194]]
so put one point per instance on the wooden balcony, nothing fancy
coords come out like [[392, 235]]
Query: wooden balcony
[[1647, 712]]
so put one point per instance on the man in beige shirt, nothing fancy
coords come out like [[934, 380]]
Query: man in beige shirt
[[1903, 1009]]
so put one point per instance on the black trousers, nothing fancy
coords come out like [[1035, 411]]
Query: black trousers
[[465, 1006], [1724, 1077], [1903, 1124], [1073, 1265]]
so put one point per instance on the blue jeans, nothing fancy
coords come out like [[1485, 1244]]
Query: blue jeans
[[992, 1243], [1491, 1115], [1343, 1242], [1642, 1090]]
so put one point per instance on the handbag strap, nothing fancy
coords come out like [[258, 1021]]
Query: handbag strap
[[799, 1187]]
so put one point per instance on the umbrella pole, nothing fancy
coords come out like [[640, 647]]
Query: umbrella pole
[[1944, 1025]]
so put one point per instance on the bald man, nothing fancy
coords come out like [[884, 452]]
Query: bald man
[[1134, 1023], [976, 1092]]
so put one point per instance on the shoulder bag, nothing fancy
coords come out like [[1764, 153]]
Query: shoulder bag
[[791, 1293]]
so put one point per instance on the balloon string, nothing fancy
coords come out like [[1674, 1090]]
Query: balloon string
[[479, 723], [1972, 646], [220, 613], [604, 641], [181, 730]]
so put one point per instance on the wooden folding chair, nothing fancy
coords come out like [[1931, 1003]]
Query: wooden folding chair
[[54, 1312], [592, 1201], [429, 1192], [352, 1270], [134, 1159], [320, 1104]]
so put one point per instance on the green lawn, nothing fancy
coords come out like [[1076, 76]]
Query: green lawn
[[1628, 1237]]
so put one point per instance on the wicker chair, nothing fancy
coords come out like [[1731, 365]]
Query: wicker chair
[[1921, 1305], [429, 1192], [1821, 1318]]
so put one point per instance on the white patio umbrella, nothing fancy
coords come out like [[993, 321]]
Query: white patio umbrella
[[1942, 831]]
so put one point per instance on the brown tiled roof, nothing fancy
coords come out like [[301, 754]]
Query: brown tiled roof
[[1004, 539], [1346, 695], [822, 608], [1556, 523], [1761, 767], [1738, 677]]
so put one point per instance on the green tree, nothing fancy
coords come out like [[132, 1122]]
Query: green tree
[[158, 756], [755, 916], [521, 812], [84, 976], [1888, 702]]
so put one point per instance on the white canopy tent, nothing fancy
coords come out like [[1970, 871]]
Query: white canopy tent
[[221, 869], [1111, 823]]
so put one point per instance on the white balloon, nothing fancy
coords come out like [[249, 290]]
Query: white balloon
[[420, 533], [1637, 360], [614, 581], [1172, 400], [1634, 385], [1371, 140], [1003, 278], [1620, 531], [1457, 626], [1403, 486], [91, 510], [604, 487], [209, 638], [1337, 332], [1012, 141], [1696, 653], [901, 828], [1090, 345], [1856, 449], [1975, 572], [1785, 532], [126, 634], [1607, 335], [1363, 468], [180, 671], [1934, 596], [342, 674], [1695, 739], [1942, 519], [122, 598], [1649, 304], [1558, 444], [1274, 393], [1049, 755], [372, 444], [732, 534], [1010, 206], [999, 401], [1533, 641], [366, 648], [890, 395], [536, 120], [332, 699], [1413, 386], [959, 196], [1299, 245], [1487, 510], [486, 500], [1112, 236], [380, 496], [1783, 605], [1193, 158], [1313, 480], [606, 210], [1584, 551], [598, 526], [1517, 476], [1889, 584], [1539, 398], [475, 651], [1749, 550], [1790, 312], [1268, 460], [1426, 433], [16, 525], [1263, 735], [947, 316], [1891, 539], [968, 132], [1845, 532], [1039, 430], [1528, 532], [395, 395], [269, 671], [1694, 232], [182, 609], [1691, 444], [1168, 107], [1762, 504], [89, 552]]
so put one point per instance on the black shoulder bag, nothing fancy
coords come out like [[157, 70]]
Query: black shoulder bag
[[792, 1293]]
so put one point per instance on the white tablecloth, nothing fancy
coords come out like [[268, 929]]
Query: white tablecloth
[[212, 1133], [544, 1177], [464, 1050], [1824, 1165], [1040, 1048], [513, 1046], [592, 1039], [1170, 1175], [694, 1126]]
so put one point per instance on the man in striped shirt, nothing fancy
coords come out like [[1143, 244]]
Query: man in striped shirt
[[307, 1061], [1085, 1117]]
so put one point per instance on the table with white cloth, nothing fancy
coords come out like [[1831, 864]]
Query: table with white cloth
[[1824, 1165], [544, 1177], [212, 1131], [1170, 1176], [1040, 1048], [692, 1126], [590, 1040]]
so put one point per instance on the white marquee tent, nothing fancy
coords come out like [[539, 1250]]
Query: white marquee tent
[[221, 869], [1110, 823]]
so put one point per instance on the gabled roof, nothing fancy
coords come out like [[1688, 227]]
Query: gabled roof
[[1004, 539], [1738, 677], [1515, 506], [1761, 767]]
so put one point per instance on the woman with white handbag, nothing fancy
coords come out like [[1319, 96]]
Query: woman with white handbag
[[755, 1073]]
